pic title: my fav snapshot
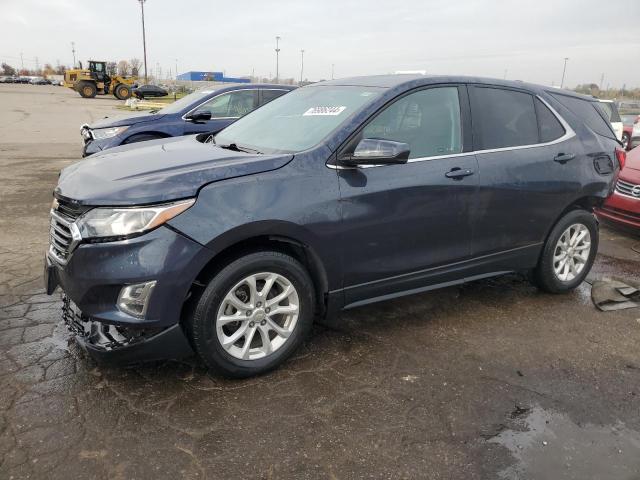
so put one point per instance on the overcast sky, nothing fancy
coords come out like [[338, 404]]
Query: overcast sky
[[527, 38]]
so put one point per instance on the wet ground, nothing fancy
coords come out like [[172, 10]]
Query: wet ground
[[489, 380]]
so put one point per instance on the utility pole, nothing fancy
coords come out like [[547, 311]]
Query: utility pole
[[144, 42], [301, 65], [176, 69], [564, 70], [601, 81], [73, 51], [505, 73], [277, 58], [332, 68], [21, 61]]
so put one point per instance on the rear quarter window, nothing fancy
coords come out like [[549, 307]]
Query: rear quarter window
[[503, 118], [589, 112], [550, 127]]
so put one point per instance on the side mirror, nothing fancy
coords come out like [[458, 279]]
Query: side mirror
[[199, 116], [374, 151]]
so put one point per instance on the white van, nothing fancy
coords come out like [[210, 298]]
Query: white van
[[611, 112]]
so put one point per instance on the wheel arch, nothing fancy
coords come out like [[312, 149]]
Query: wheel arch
[[288, 244], [587, 202], [154, 133]]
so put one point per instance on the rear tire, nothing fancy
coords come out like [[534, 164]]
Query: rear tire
[[266, 332], [87, 89], [122, 91], [568, 254]]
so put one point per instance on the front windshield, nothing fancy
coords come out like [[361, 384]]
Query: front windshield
[[298, 120], [186, 101]]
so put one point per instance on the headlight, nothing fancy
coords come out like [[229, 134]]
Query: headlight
[[102, 133], [121, 222]]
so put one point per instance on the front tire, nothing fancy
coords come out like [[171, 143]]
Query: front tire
[[253, 314], [568, 254], [122, 91]]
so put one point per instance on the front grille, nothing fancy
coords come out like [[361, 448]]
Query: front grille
[[627, 188], [60, 237], [70, 210], [63, 235]]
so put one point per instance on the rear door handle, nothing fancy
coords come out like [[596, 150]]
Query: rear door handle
[[458, 173], [563, 157]]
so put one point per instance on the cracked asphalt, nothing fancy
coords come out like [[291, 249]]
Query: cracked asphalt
[[488, 380]]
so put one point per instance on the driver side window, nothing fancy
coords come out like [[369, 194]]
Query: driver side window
[[230, 105], [427, 120]]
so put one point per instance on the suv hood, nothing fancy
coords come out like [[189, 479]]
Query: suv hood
[[122, 120], [157, 171]]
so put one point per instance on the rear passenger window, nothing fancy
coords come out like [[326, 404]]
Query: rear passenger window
[[588, 112], [550, 127], [503, 118], [268, 95]]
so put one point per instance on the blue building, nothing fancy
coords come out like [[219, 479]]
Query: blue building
[[210, 77]]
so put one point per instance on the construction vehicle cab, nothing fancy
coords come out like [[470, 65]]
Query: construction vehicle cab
[[95, 80]]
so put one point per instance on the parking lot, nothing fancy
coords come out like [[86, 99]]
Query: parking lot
[[492, 379]]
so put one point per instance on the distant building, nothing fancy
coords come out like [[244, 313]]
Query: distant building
[[210, 77]]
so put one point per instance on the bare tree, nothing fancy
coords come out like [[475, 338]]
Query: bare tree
[[135, 66], [124, 68], [8, 70], [112, 68]]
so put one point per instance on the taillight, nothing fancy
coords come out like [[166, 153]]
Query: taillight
[[621, 155]]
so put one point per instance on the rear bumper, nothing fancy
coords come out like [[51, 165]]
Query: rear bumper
[[621, 209]]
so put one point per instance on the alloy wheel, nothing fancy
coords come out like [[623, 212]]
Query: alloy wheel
[[257, 316], [572, 252]]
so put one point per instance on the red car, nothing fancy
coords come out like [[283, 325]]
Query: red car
[[623, 206], [628, 121]]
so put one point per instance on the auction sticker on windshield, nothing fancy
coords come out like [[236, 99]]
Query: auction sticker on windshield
[[324, 111]]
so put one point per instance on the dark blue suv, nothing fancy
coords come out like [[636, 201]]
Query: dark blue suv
[[206, 110], [333, 196]]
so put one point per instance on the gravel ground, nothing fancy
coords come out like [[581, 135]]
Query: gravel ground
[[488, 380]]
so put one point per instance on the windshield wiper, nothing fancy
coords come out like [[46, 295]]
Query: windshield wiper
[[237, 148], [154, 111]]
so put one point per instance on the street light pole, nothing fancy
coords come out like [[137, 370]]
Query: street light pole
[[277, 58], [301, 65], [144, 41], [73, 51], [564, 71]]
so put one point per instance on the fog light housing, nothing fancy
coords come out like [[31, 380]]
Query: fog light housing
[[134, 299]]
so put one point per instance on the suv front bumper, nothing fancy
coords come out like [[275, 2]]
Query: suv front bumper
[[96, 272]]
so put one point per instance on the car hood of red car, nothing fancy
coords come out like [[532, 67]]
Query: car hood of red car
[[633, 159]]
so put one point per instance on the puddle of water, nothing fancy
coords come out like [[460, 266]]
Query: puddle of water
[[551, 446]]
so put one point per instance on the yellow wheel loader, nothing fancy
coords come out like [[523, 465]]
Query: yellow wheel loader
[[95, 81]]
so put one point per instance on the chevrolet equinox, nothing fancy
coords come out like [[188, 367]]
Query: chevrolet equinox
[[333, 196]]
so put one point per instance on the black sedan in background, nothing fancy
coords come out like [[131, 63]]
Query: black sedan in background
[[148, 91]]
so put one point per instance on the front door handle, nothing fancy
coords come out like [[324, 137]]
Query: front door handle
[[458, 173], [563, 157]]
